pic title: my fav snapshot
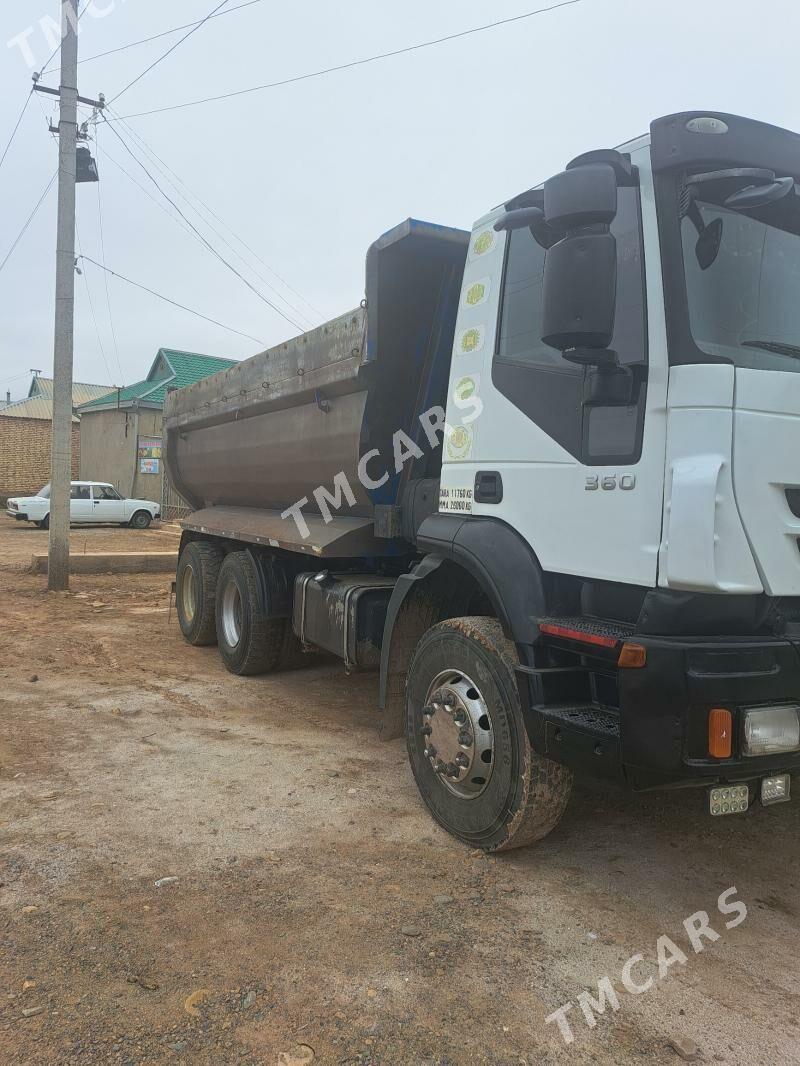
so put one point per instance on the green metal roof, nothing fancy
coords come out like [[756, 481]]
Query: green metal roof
[[171, 369]]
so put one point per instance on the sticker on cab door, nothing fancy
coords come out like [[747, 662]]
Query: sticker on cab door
[[455, 500], [459, 442]]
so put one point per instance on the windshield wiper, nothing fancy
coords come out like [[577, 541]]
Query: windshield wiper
[[779, 347]]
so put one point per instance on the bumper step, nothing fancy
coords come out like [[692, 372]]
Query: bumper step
[[584, 718], [598, 632]]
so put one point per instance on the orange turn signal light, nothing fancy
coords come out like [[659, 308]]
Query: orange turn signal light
[[720, 733], [632, 657]]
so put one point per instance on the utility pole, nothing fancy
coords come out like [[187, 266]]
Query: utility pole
[[61, 452]]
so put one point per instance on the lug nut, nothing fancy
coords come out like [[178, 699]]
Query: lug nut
[[452, 770], [440, 767], [460, 718], [430, 710], [462, 760], [426, 730], [465, 739], [430, 752]]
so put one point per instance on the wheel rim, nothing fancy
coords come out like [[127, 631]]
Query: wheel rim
[[140, 520], [189, 593], [457, 730], [231, 613]]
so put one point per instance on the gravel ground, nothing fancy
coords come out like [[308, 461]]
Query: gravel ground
[[312, 910]]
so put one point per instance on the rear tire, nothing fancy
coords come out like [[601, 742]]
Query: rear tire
[[195, 591], [141, 520], [250, 641], [502, 794]]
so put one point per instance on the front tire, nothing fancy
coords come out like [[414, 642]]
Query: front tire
[[45, 522], [141, 520], [250, 641], [467, 743], [196, 590]]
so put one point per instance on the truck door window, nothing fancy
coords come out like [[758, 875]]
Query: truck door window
[[541, 383]]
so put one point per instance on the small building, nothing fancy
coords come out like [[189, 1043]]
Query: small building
[[26, 429], [121, 432]]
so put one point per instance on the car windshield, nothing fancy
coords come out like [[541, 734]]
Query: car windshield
[[45, 492], [743, 280]]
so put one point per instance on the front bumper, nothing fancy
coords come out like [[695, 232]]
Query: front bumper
[[19, 515], [657, 736], [664, 708]]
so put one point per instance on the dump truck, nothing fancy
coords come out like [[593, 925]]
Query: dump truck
[[544, 480]]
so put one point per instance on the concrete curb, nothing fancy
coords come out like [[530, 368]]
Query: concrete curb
[[114, 563]]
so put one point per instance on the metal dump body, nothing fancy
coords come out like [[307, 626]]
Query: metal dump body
[[268, 432]]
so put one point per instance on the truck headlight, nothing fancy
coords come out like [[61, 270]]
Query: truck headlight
[[768, 730]]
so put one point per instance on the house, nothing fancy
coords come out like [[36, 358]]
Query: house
[[26, 428], [121, 432]]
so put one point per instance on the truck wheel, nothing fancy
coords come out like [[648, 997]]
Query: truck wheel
[[195, 591], [467, 742], [250, 641]]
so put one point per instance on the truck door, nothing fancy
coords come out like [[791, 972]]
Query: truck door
[[576, 455]]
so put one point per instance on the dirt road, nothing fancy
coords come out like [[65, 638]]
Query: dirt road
[[311, 901]]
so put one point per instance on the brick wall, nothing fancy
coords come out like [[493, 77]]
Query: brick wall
[[25, 455]]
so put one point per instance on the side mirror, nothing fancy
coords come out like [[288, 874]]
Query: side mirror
[[579, 294], [580, 271], [583, 196]]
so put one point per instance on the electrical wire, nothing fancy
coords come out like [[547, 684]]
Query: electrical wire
[[355, 62], [91, 308], [205, 241], [164, 33], [174, 303], [169, 51], [16, 127], [31, 217], [105, 276], [166, 171], [57, 48]]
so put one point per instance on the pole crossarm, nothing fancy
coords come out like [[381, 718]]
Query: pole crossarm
[[99, 104]]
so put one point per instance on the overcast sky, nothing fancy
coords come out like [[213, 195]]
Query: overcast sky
[[310, 174]]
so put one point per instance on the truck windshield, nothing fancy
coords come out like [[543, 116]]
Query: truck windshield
[[743, 282]]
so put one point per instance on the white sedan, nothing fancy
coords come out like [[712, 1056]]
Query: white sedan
[[90, 502]]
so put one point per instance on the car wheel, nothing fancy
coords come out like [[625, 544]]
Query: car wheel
[[467, 743], [45, 522], [141, 520], [196, 590]]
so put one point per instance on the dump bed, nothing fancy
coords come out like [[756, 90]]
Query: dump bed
[[266, 433]]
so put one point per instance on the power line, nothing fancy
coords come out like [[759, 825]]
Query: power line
[[166, 299], [356, 62], [91, 309], [169, 51], [14, 131], [31, 217], [57, 48], [105, 276], [166, 171], [165, 33], [205, 241]]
